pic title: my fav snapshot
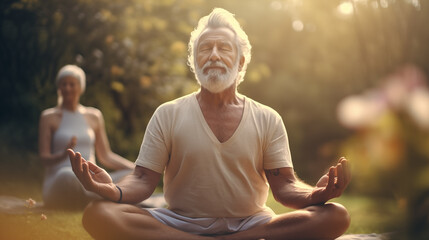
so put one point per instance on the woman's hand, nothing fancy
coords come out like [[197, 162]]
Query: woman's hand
[[70, 145]]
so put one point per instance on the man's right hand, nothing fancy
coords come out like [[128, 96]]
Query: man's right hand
[[92, 177]]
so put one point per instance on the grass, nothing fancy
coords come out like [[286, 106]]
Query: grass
[[58, 225], [368, 215], [23, 179]]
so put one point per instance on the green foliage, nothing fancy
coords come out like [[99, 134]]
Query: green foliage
[[134, 55]]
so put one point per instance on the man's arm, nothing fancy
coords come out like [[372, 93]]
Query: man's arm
[[292, 192], [139, 185]]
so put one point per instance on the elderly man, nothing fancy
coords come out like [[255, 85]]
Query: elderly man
[[218, 151]]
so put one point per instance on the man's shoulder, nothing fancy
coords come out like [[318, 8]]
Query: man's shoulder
[[261, 108]]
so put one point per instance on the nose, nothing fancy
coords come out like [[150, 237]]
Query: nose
[[67, 87], [214, 56]]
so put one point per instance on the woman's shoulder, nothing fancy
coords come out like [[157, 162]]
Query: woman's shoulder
[[91, 112], [51, 117], [51, 112]]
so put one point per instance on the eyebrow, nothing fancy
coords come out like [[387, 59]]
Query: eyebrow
[[221, 42]]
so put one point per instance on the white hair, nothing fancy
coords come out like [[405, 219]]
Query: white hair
[[216, 19], [72, 71]]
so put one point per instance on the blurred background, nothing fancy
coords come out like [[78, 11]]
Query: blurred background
[[348, 77]]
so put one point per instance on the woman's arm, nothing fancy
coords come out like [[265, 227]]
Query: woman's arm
[[46, 130], [102, 147]]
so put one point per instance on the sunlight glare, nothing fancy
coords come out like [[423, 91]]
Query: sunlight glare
[[345, 8], [276, 5], [384, 4], [298, 25], [415, 3], [374, 5]]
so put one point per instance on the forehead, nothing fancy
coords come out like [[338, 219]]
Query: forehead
[[222, 34], [69, 79]]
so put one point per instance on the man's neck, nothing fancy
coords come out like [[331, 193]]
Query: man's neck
[[219, 100]]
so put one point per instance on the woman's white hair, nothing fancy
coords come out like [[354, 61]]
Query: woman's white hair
[[221, 18], [70, 71]]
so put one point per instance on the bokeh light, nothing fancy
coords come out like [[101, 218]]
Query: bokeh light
[[345, 8]]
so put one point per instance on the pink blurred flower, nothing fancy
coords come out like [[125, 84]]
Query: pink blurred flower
[[418, 107], [401, 84], [30, 203], [43, 217], [404, 91], [358, 111]]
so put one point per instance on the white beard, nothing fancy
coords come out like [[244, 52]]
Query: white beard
[[215, 81]]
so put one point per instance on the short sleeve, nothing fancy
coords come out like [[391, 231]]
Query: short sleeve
[[277, 152], [154, 150]]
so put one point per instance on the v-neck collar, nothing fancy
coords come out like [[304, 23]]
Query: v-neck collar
[[207, 127]]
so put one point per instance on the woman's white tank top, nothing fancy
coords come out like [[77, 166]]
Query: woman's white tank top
[[73, 124]]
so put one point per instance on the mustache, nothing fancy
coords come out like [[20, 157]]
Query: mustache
[[214, 64]]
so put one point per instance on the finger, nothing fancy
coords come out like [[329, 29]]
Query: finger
[[86, 177], [340, 176], [331, 180], [71, 154], [77, 166], [78, 159], [93, 167]]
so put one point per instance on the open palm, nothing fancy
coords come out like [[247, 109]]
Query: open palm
[[332, 184], [92, 177]]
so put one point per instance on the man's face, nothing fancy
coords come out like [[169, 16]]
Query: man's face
[[217, 59]]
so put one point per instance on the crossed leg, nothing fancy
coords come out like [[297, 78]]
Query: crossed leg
[[324, 222], [108, 220]]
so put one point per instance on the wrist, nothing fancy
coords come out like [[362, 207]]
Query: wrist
[[315, 197]]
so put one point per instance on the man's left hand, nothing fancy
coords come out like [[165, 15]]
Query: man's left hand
[[332, 184]]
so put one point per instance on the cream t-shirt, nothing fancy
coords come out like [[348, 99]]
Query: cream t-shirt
[[204, 177]]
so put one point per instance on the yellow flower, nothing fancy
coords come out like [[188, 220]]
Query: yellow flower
[[117, 70]]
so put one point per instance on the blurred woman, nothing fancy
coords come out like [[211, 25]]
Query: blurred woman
[[72, 125]]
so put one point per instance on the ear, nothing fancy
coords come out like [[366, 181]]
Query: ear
[[241, 63]]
